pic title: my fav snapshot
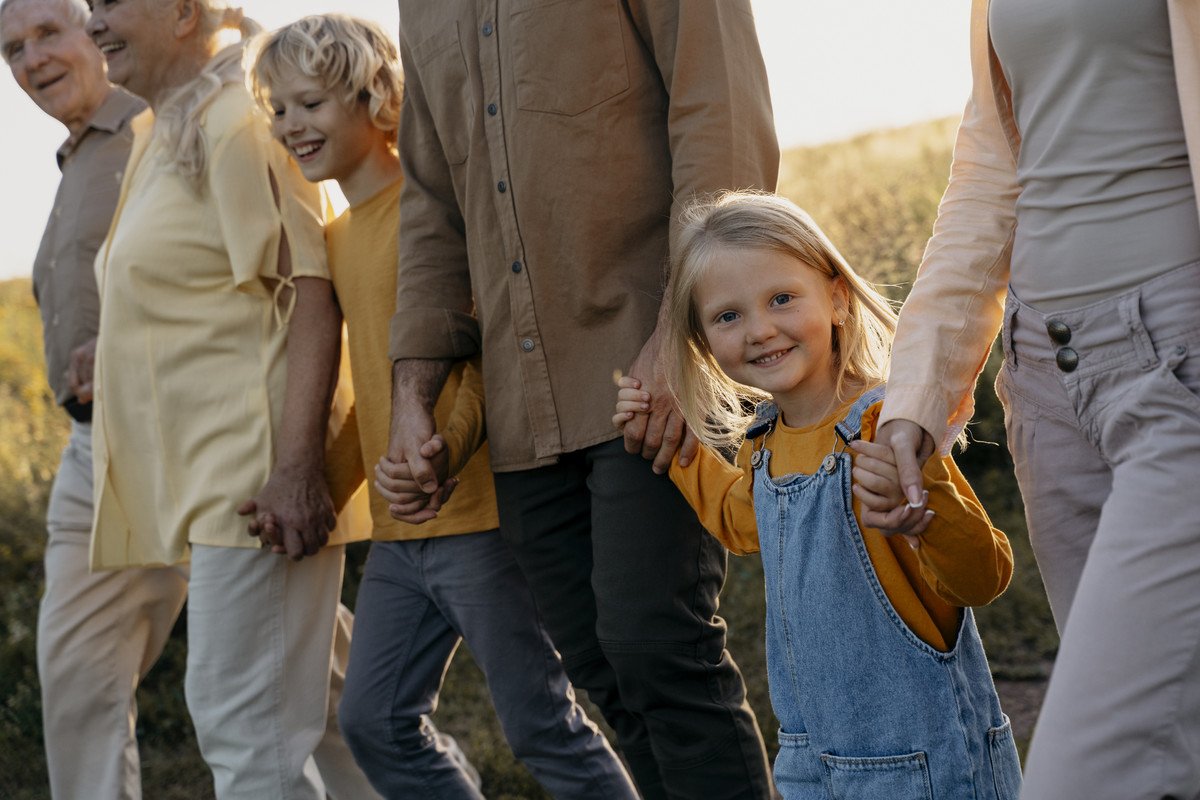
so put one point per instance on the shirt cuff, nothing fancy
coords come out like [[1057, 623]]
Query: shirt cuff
[[433, 333]]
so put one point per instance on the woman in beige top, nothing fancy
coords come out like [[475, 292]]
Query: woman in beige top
[[215, 364], [1071, 225]]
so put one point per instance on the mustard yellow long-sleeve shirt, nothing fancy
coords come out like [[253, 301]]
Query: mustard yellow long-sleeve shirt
[[962, 559]]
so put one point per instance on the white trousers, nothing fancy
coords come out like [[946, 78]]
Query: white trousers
[[261, 653], [97, 635]]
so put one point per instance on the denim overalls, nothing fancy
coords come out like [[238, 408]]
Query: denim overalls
[[868, 711]]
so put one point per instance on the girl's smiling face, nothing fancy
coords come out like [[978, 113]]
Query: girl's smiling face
[[769, 319]]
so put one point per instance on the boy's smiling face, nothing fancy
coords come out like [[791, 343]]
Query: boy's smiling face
[[329, 139]]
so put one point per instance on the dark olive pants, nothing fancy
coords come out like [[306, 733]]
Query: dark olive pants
[[626, 581]]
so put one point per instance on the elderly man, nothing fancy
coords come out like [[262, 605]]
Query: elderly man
[[97, 634], [546, 148]]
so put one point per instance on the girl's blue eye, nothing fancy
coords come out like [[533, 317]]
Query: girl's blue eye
[[727, 316], [781, 299]]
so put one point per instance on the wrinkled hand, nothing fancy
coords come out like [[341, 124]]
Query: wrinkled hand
[[292, 514], [81, 369], [877, 487], [661, 432], [407, 500]]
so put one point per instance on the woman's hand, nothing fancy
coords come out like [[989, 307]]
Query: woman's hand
[[292, 514], [878, 488]]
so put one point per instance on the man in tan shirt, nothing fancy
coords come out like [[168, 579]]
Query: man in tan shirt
[[97, 634], [546, 149]]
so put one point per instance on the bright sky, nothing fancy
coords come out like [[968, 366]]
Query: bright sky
[[836, 67]]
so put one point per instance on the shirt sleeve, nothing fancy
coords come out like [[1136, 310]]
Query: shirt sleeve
[[720, 493], [465, 430], [721, 128], [965, 560], [260, 197], [434, 307], [954, 310]]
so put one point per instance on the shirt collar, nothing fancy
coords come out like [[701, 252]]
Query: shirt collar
[[114, 113]]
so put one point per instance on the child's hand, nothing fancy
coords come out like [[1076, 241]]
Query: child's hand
[[877, 487], [631, 401], [406, 501]]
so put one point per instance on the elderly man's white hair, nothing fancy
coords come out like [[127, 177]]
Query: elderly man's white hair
[[75, 11]]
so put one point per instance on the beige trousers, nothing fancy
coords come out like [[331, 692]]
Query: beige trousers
[[97, 635], [264, 634], [1103, 417]]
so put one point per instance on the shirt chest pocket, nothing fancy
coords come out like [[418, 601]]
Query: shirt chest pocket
[[447, 89], [568, 55]]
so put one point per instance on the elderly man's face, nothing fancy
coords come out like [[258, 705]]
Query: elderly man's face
[[53, 59]]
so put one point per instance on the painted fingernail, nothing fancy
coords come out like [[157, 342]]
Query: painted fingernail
[[914, 497]]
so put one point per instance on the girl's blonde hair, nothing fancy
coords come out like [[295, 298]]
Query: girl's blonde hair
[[178, 122], [353, 57], [714, 406]]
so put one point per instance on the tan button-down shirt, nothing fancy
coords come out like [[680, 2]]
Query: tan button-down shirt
[[547, 146], [64, 281]]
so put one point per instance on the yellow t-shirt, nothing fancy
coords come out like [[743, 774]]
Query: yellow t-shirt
[[962, 560], [362, 245], [190, 360]]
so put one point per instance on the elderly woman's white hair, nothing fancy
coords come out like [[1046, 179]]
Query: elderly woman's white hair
[[178, 121]]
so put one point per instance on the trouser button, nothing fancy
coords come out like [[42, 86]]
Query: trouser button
[[1058, 330], [1067, 359]]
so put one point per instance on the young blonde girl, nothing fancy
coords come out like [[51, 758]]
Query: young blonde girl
[[876, 671]]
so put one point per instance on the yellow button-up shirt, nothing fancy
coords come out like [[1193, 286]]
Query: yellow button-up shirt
[[190, 361]]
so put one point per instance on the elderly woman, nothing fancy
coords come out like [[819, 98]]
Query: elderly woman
[[216, 357], [1071, 224]]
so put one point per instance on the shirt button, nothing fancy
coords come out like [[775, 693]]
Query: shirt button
[[527, 345], [487, 29], [516, 266], [54, 320], [53, 263], [502, 187], [57, 213], [492, 109]]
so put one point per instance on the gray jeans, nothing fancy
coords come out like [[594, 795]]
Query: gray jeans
[[1103, 417], [417, 601]]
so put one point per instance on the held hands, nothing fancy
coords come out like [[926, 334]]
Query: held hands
[[80, 371], [292, 514], [657, 431], [407, 500], [888, 480]]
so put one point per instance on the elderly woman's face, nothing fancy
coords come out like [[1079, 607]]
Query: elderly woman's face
[[137, 40]]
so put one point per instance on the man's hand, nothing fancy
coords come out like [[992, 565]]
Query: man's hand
[[416, 384], [292, 513], [910, 447], [80, 371], [660, 432], [407, 501]]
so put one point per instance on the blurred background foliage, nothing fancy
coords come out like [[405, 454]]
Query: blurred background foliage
[[875, 195]]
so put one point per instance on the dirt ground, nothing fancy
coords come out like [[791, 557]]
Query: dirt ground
[[1021, 700]]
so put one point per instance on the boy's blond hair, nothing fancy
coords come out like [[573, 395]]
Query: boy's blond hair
[[350, 56], [714, 406]]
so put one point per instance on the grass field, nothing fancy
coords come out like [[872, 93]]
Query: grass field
[[875, 195]]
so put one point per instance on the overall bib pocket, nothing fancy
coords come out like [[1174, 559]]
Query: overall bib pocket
[[900, 777]]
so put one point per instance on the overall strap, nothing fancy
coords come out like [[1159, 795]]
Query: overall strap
[[850, 427], [765, 414]]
